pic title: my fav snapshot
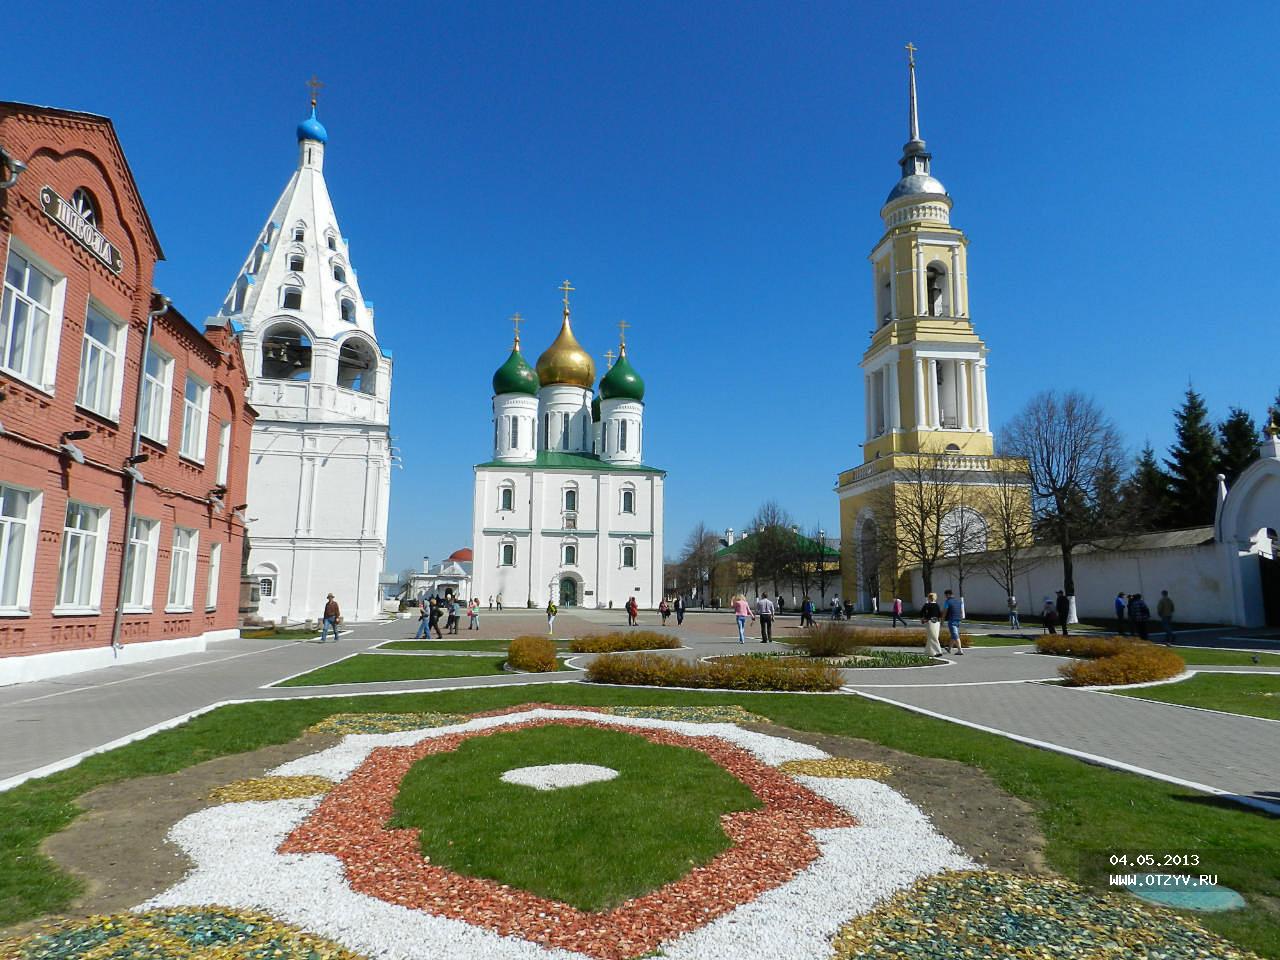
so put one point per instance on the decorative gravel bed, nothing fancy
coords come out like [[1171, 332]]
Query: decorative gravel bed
[[270, 788], [557, 776], [1000, 915], [840, 768]]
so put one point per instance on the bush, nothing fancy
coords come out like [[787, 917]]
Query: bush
[[532, 654], [885, 637], [624, 640], [727, 673], [1138, 662], [830, 640], [1085, 647]]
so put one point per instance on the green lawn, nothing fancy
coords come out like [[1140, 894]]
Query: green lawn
[[1254, 696], [1204, 656], [592, 846], [1084, 811], [988, 641], [496, 646], [378, 668], [280, 634]]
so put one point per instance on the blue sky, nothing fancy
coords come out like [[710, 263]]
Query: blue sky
[[712, 173]]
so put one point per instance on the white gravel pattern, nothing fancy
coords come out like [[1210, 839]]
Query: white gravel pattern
[[555, 776], [234, 848]]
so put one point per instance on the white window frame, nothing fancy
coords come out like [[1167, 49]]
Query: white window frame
[[570, 490], [224, 452], [140, 586], [153, 387], [622, 501], [183, 560], [89, 544], [43, 378], [263, 580], [194, 441], [107, 361], [502, 491], [502, 554], [564, 555], [622, 556], [18, 538], [211, 582]]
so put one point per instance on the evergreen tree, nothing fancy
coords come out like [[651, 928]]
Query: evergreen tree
[[1146, 493], [1109, 516], [1193, 464], [1238, 445]]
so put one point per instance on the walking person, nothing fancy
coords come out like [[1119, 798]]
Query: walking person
[[931, 617], [473, 614], [835, 608], [1164, 610], [1049, 616], [1122, 608], [806, 613], [742, 610], [679, 610], [954, 614], [433, 619], [551, 616], [499, 603], [664, 610], [1139, 613], [897, 613], [453, 615], [491, 603], [633, 612], [1063, 606], [423, 625], [765, 610], [332, 617], [1014, 622]]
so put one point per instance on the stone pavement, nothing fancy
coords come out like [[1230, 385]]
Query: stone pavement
[[49, 723]]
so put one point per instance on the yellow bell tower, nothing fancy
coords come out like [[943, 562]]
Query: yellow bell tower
[[924, 374]]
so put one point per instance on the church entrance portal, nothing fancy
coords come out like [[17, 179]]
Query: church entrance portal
[[1270, 576], [568, 592]]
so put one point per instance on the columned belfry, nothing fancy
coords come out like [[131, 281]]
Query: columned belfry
[[924, 372]]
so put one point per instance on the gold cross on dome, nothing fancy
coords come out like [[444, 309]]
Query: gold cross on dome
[[315, 86], [516, 320], [622, 331], [567, 289], [608, 356], [911, 53]]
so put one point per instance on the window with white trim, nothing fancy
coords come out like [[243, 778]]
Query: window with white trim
[[299, 233], [570, 555], [101, 371], [195, 418], [19, 530], [628, 555], [571, 499], [157, 384], [211, 591], [297, 262], [347, 310], [224, 452], [291, 298], [508, 555], [339, 273], [507, 498], [622, 435], [628, 500], [182, 569], [25, 318], [80, 564], [515, 432], [140, 565]]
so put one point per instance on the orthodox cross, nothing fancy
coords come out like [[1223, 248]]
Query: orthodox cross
[[911, 53], [622, 331], [567, 289], [315, 86], [516, 320], [608, 356]]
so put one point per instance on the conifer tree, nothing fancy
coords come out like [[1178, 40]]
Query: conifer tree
[[1238, 443], [1193, 464], [1146, 493]]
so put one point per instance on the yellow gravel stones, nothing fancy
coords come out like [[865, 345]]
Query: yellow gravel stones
[[344, 723], [839, 768], [270, 788]]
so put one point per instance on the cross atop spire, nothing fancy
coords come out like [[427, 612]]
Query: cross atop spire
[[516, 320], [567, 288], [315, 86], [608, 357], [622, 332], [914, 122]]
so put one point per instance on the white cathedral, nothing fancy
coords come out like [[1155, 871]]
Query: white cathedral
[[320, 456], [567, 510]]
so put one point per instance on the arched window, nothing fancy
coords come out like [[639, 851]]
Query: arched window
[[964, 531], [884, 294], [348, 310], [570, 555], [628, 555], [939, 290], [333, 242], [291, 298], [570, 499], [339, 273], [507, 497], [508, 555], [237, 299], [628, 501], [622, 435], [83, 203], [297, 262], [357, 366], [265, 574], [299, 232], [286, 353]]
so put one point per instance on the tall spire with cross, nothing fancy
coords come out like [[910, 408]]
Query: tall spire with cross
[[914, 120], [915, 161]]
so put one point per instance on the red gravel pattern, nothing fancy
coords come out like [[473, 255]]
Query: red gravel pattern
[[771, 845]]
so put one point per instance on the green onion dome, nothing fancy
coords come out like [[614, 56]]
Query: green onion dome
[[515, 376], [622, 382], [595, 409]]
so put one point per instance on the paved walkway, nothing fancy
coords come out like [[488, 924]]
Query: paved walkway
[[49, 724]]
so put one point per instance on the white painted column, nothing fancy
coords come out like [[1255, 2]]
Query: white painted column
[[866, 381], [922, 294], [921, 371], [955, 282], [893, 287], [935, 408], [895, 413], [962, 392], [983, 421]]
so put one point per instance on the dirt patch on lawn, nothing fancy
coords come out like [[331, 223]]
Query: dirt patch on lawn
[[965, 804], [118, 846]]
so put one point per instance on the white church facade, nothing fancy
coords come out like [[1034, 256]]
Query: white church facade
[[566, 509], [320, 458]]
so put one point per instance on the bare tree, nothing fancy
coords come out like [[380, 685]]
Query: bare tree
[[922, 494], [964, 533], [1008, 511], [697, 561], [1065, 439], [823, 575]]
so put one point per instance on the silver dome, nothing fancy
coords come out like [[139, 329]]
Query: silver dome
[[916, 184]]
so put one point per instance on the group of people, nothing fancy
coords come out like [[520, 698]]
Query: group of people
[[667, 607], [1133, 613], [933, 615], [491, 601], [765, 611], [434, 609]]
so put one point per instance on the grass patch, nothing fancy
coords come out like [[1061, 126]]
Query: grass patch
[[592, 846], [722, 673], [624, 640], [1208, 657], [1253, 696], [271, 634], [1085, 811], [379, 668], [994, 641], [485, 646]]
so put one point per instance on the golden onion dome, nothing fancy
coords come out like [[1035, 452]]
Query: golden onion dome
[[565, 362]]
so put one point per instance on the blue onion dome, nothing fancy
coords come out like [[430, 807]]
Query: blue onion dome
[[515, 376], [312, 129], [622, 381]]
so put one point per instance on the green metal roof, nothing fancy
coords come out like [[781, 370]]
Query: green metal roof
[[558, 460], [806, 543], [515, 376], [622, 381]]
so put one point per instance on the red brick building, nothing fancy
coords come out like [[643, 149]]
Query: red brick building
[[124, 430]]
